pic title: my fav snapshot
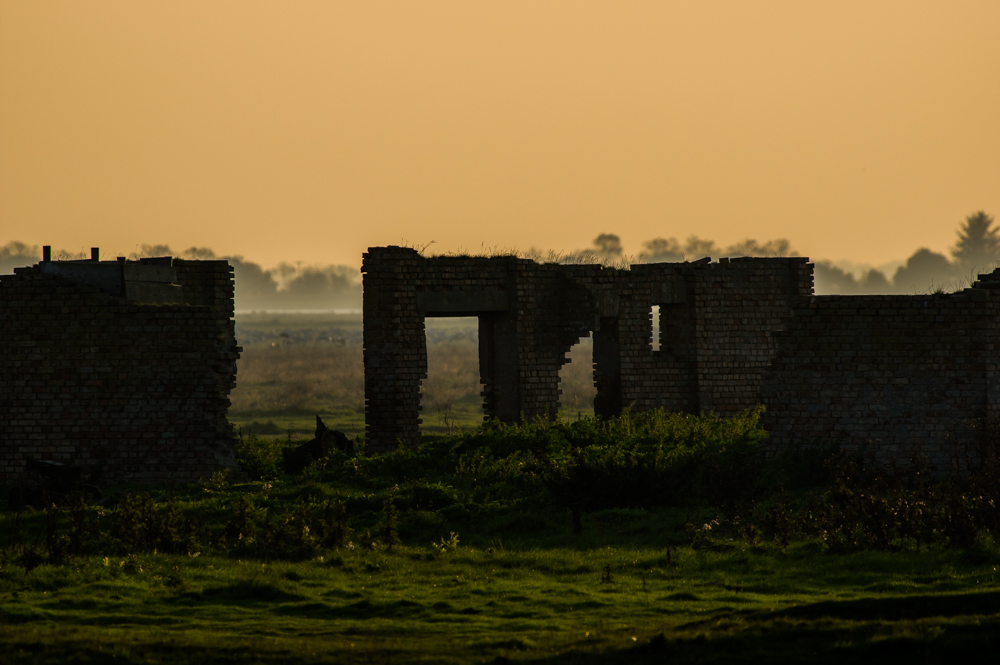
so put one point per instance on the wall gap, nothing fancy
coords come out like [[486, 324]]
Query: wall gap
[[450, 395], [576, 381]]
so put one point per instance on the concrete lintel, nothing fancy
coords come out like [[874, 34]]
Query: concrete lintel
[[444, 303], [136, 272], [105, 276]]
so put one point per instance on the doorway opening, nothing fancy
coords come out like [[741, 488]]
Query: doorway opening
[[576, 381], [450, 396]]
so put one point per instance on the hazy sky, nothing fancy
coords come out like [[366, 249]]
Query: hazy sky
[[312, 130]]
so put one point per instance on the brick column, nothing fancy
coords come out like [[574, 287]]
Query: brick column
[[395, 353]]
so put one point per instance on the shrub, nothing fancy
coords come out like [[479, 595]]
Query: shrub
[[261, 459], [660, 459], [335, 525], [139, 525]]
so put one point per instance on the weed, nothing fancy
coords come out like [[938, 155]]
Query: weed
[[217, 482], [242, 525], [139, 525], [131, 564], [387, 529], [261, 459], [335, 527], [314, 470], [449, 544]]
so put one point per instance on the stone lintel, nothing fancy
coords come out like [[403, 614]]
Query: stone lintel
[[458, 303]]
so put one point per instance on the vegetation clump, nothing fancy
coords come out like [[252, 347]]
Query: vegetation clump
[[539, 473]]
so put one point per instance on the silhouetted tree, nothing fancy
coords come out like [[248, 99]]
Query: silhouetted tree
[[662, 250], [283, 287], [924, 271], [695, 248], [831, 279], [750, 247], [255, 287], [874, 282], [607, 248], [978, 244], [147, 251], [198, 254], [332, 287], [608, 243], [17, 255]]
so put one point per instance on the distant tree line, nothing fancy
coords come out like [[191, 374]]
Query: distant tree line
[[976, 251], [286, 287], [289, 287]]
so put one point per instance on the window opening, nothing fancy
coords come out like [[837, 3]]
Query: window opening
[[576, 381], [450, 396], [654, 316]]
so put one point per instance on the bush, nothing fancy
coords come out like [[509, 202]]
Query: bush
[[652, 459], [512, 476], [140, 525], [657, 459], [259, 458]]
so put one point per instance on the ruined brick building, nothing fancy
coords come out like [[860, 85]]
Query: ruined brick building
[[121, 367], [125, 367], [906, 373]]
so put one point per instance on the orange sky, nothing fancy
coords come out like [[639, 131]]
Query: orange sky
[[312, 130]]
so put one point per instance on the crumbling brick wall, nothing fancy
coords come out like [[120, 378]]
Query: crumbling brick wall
[[909, 374], [717, 322], [92, 374], [531, 314]]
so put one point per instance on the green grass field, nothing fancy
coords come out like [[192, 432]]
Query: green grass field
[[525, 602]]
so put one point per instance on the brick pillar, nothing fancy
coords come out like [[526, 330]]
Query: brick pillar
[[395, 353], [498, 366], [608, 370]]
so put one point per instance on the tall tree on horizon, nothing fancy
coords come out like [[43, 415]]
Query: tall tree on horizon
[[978, 243]]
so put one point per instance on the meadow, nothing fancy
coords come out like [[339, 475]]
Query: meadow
[[296, 366], [651, 539], [528, 602]]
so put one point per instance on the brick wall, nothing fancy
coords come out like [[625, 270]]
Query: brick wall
[[531, 314], [904, 375], [717, 322], [907, 374], [132, 392]]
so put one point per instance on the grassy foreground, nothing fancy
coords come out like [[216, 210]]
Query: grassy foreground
[[658, 538], [475, 605]]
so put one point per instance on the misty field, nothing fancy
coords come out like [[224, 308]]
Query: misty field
[[295, 366]]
